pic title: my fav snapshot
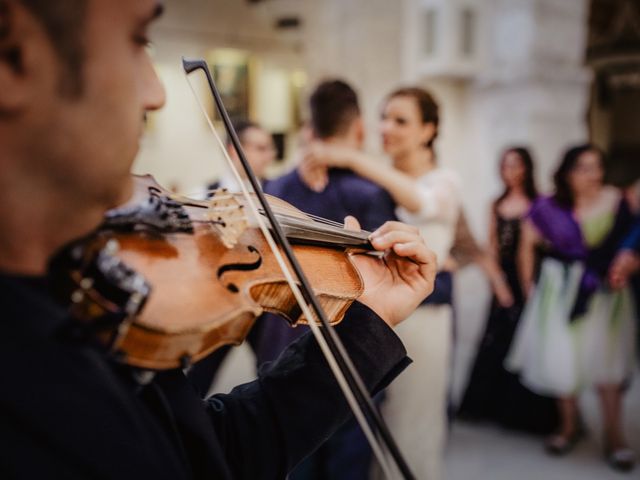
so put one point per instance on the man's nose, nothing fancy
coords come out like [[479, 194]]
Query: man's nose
[[153, 90]]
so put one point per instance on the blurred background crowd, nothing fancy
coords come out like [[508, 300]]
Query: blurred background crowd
[[508, 132]]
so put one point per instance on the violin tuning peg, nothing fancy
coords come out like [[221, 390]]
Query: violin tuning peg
[[76, 253], [77, 296], [134, 303], [112, 247], [143, 377], [86, 283]]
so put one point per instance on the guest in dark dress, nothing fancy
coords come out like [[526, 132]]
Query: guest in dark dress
[[335, 120], [493, 393]]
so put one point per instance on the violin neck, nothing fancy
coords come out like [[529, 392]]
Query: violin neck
[[303, 231]]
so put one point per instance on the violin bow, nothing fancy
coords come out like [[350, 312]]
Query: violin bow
[[345, 372]]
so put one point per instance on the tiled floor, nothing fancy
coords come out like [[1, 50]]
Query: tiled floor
[[487, 453], [484, 453]]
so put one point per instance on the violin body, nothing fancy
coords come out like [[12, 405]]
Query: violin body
[[209, 273]]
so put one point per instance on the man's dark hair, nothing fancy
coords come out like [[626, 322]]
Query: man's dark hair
[[334, 105], [241, 127], [63, 21]]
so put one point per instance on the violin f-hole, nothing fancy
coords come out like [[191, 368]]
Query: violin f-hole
[[240, 267]]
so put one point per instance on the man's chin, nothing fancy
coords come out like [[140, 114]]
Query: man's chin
[[124, 193]]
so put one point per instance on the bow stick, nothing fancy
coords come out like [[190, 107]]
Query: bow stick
[[330, 344]]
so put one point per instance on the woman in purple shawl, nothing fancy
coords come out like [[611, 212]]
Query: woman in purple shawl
[[575, 332]]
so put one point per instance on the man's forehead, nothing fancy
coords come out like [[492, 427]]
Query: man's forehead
[[256, 133], [147, 10], [152, 8], [140, 11]]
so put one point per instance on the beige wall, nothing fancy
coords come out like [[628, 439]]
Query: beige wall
[[179, 149]]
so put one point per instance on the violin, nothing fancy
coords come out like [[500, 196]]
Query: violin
[[166, 279]]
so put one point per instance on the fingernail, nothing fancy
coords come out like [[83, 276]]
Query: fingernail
[[377, 239]]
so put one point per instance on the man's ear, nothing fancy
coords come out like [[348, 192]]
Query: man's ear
[[21, 40], [231, 150], [311, 134], [307, 134], [359, 130]]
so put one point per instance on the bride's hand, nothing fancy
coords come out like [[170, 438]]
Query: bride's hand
[[313, 175]]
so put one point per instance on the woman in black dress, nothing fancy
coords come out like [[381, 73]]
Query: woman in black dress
[[492, 392]]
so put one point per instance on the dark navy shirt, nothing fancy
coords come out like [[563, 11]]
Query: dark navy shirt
[[346, 194]]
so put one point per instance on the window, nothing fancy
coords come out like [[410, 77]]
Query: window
[[429, 32], [467, 32]]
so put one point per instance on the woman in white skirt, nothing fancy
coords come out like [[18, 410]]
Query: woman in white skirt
[[428, 197], [575, 332]]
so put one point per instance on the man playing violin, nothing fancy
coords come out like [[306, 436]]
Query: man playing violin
[[75, 83]]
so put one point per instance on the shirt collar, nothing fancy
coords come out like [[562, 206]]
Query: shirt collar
[[26, 301]]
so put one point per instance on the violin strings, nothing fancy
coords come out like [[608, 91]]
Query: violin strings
[[293, 211], [282, 209], [321, 221], [322, 342], [285, 211], [339, 236], [328, 228], [336, 235], [314, 224]]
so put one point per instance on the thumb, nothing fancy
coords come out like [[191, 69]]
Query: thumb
[[351, 223]]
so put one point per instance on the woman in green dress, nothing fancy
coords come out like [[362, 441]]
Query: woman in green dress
[[576, 332]]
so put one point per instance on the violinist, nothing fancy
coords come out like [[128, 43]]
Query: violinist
[[75, 83]]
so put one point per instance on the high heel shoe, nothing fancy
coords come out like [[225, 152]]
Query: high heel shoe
[[559, 444], [622, 459]]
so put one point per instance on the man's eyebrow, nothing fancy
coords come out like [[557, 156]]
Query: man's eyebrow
[[157, 11]]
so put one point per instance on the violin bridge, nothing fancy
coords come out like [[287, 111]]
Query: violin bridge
[[228, 217]]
